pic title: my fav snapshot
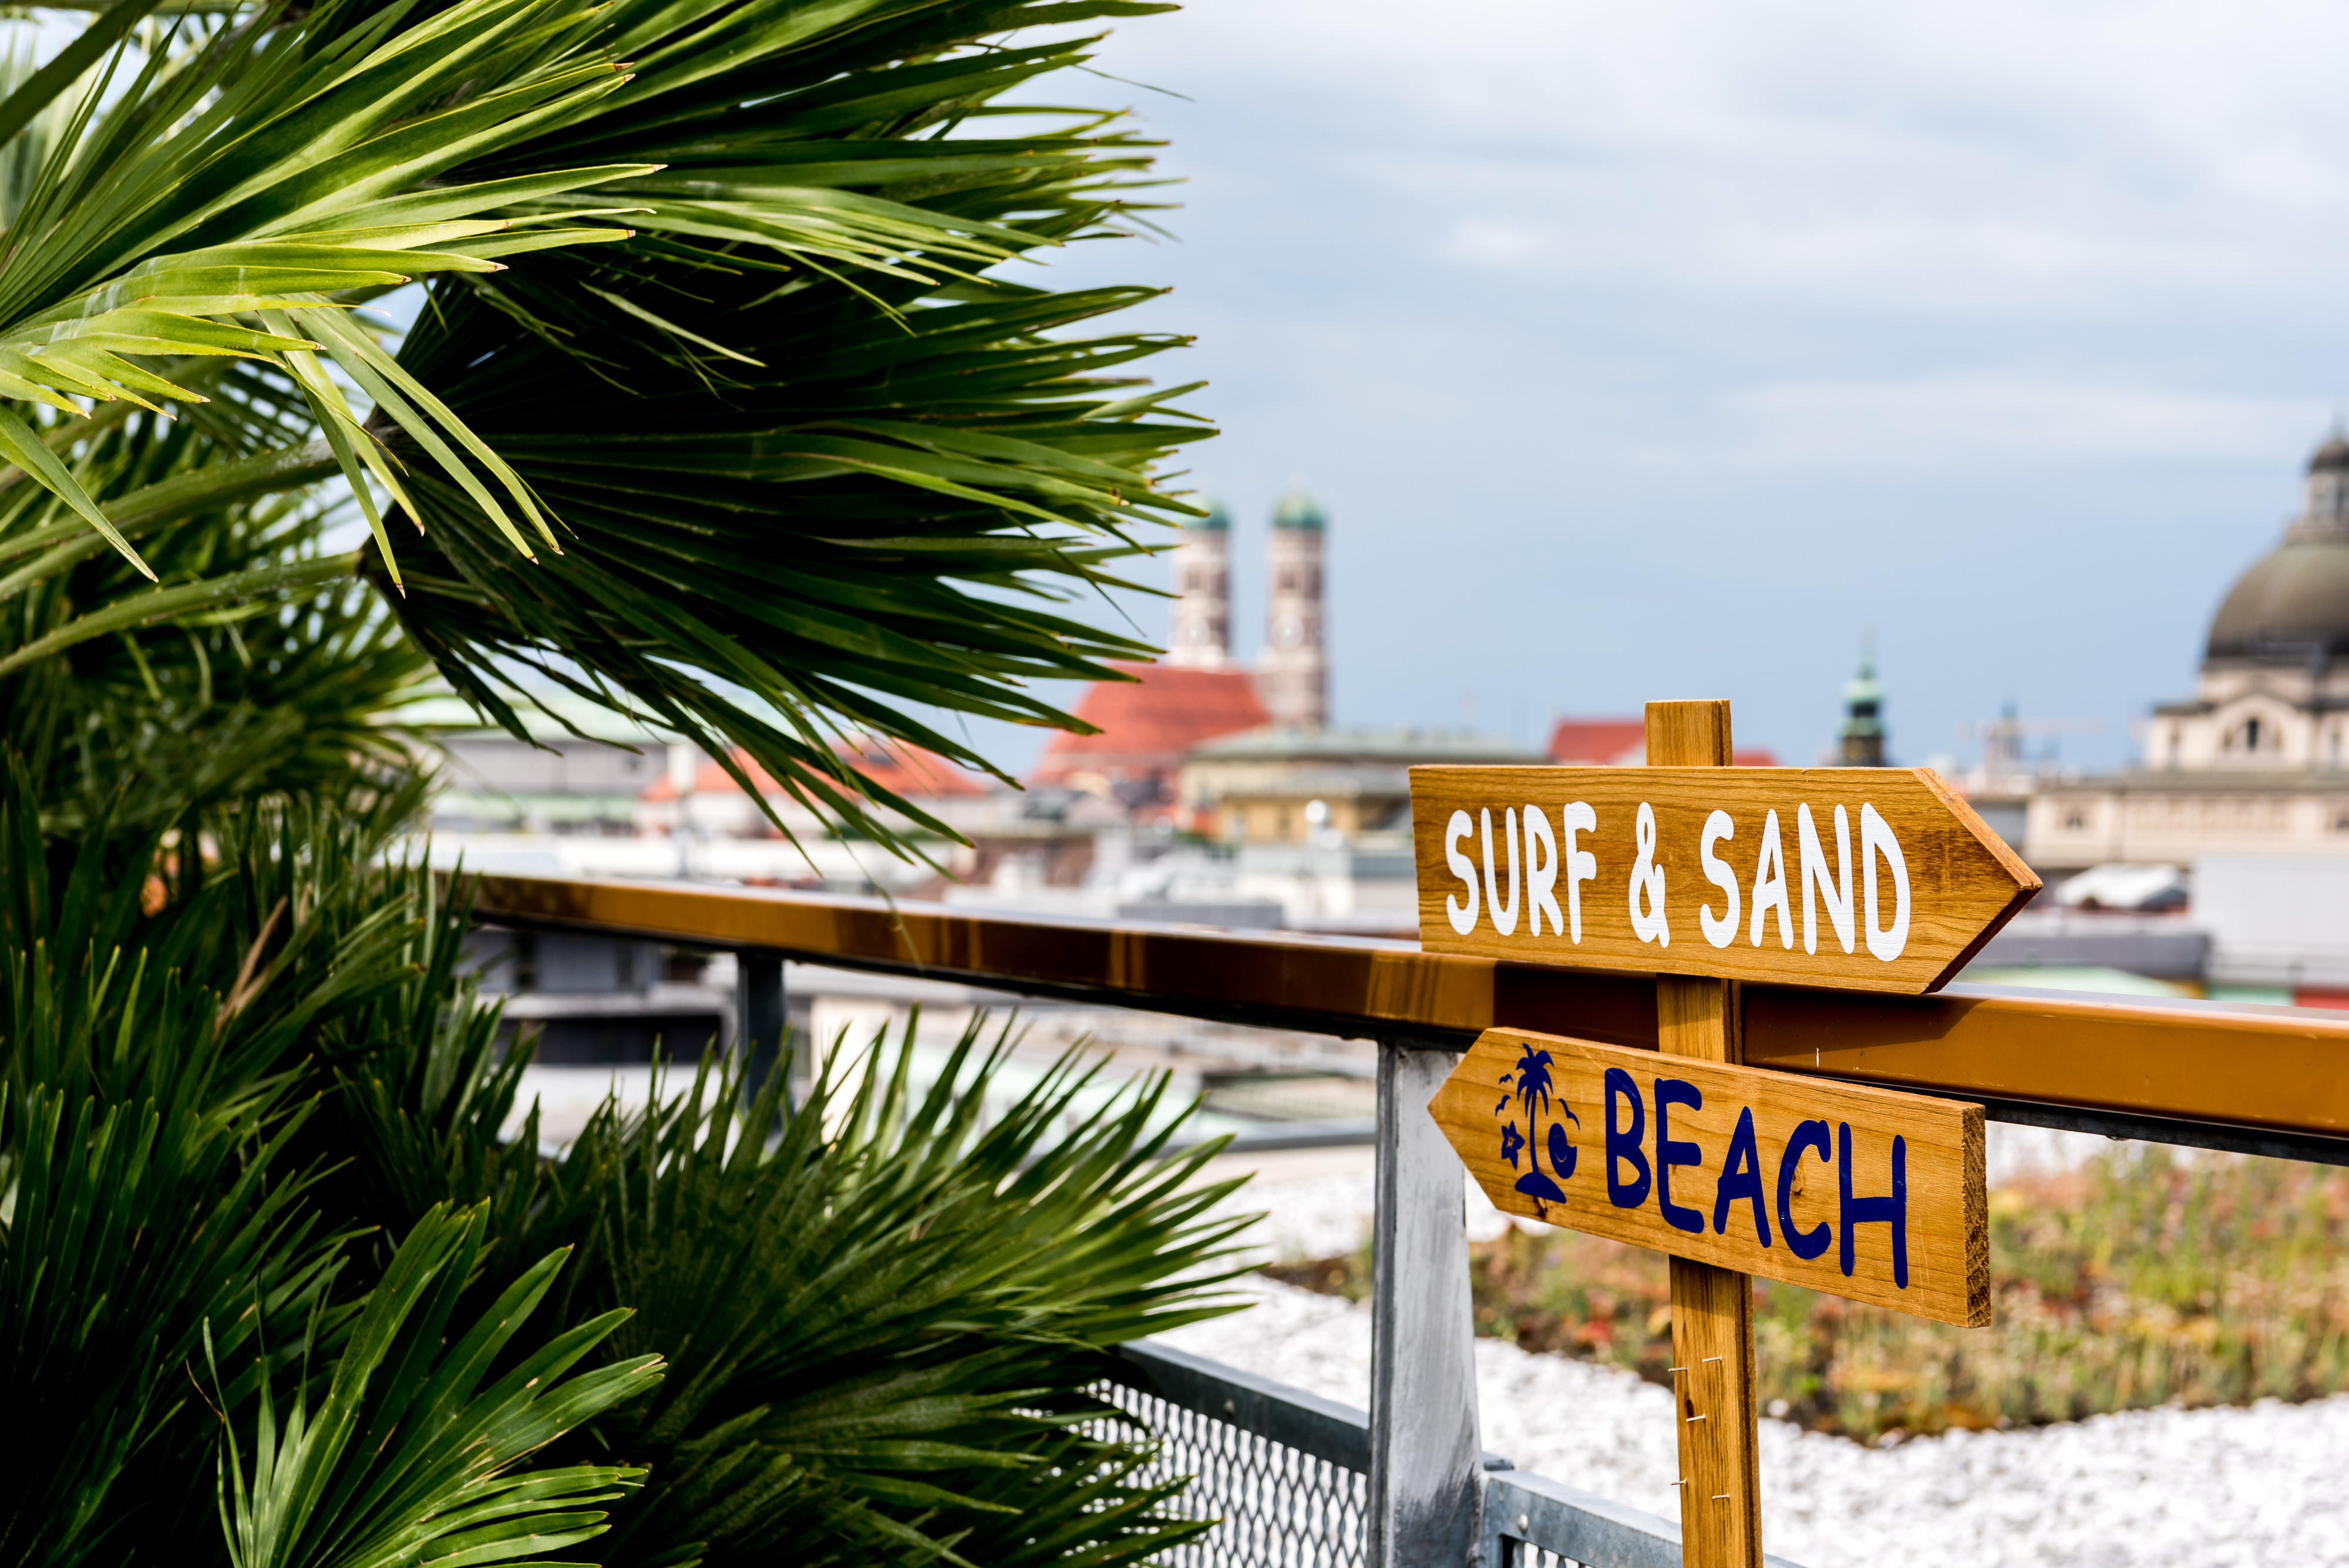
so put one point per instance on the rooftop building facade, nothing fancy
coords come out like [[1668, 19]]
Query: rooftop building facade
[[1861, 742], [1144, 726], [2270, 695], [1288, 784]]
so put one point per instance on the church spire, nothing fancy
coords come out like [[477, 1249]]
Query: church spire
[[1863, 723], [1293, 676], [1202, 636]]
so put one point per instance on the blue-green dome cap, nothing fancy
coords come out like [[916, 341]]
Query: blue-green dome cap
[[1300, 510]]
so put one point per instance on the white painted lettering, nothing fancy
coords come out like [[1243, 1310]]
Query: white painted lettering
[[1815, 886], [1580, 866], [1875, 839], [1722, 931], [1541, 873], [1461, 916], [1770, 885], [1503, 920], [1648, 878]]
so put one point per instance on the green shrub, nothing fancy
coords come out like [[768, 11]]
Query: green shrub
[[254, 1189]]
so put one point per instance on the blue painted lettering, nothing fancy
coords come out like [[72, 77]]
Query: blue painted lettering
[[1807, 1135], [1624, 1143], [1671, 1151], [1740, 1177], [1892, 1211]]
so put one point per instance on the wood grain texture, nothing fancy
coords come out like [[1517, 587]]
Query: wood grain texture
[[1712, 1392], [1712, 1307], [1514, 1143], [1616, 855], [1689, 734]]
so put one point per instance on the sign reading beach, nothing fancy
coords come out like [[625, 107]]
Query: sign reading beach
[[1866, 878], [1862, 1192]]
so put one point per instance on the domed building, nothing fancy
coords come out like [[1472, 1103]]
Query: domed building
[[2255, 761], [2271, 697]]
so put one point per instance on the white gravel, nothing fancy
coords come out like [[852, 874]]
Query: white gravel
[[2267, 1486], [2262, 1487]]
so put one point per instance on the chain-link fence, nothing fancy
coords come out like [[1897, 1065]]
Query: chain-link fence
[[1275, 1504], [1286, 1475], [1285, 1472]]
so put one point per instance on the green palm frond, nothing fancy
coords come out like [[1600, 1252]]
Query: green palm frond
[[275, 686], [424, 1090], [885, 1322], [412, 1452], [826, 452], [285, 173], [130, 1229], [796, 450], [737, 396], [882, 1328]]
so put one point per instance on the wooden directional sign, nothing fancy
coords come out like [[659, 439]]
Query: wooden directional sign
[[1860, 1192], [1707, 874], [1866, 878]]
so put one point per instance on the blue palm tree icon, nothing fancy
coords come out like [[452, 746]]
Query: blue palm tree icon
[[1533, 1081]]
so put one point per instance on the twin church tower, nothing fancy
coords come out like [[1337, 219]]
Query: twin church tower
[[1293, 673]]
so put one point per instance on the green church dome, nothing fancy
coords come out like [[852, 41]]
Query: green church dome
[[1300, 510]]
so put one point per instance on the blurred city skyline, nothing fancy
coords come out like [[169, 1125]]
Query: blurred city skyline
[[1671, 352]]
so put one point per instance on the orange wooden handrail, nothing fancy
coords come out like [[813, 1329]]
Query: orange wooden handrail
[[2282, 1071]]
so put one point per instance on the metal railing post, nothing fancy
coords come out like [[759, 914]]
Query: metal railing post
[[1427, 1481], [759, 1018]]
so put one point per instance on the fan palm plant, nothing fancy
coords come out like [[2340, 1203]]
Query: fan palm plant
[[732, 397], [727, 394], [256, 1192]]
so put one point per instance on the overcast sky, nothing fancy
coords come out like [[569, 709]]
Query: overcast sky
[[1665, 350]]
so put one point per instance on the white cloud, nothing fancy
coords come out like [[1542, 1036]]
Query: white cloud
[[1943, 152], [1676, 301], [1933, 427], [1494, 242]]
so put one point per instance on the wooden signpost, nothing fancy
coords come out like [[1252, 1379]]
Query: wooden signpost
[[1867, 878]]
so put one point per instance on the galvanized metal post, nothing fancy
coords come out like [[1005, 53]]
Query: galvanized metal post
[[759, 1018], [1427, 1480]]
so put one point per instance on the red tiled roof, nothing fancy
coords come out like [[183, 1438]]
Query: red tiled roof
[[1622, 742], [1147, 726], [906, 770], [1598, 743]]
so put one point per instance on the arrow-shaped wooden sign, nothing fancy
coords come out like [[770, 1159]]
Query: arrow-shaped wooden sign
[[1862, 1192], [1864, 878]]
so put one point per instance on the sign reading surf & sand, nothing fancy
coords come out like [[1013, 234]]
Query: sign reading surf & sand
[[1867, 878]]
